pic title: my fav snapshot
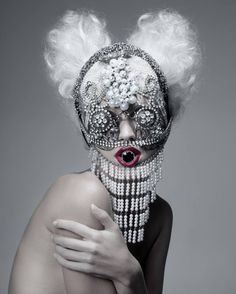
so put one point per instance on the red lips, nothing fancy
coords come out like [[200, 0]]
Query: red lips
[[128, 156]]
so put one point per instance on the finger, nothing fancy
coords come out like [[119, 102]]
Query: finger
[[73, 255], [75, 227], [80, 267], [103, 217], [76, 266], [75, 244]]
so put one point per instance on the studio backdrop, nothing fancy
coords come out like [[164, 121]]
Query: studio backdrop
[[39, 143]]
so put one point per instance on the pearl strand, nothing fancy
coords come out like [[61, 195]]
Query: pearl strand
[[132, 190]]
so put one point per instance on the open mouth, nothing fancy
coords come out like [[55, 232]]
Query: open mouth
[[128, 156]]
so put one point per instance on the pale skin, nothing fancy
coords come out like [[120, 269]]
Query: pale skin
[[72, 246]]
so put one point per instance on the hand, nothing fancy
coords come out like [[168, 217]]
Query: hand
[[101, 253]]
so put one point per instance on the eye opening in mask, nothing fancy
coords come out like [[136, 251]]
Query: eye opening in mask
[[129, 113]]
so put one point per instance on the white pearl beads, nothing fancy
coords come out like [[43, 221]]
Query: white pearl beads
[[121, 89], [131, 190]]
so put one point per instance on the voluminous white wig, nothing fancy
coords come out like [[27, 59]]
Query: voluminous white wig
[[169, 39], [165, 35], [76, 37]]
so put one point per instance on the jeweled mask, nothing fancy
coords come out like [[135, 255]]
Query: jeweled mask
[[122, 79]]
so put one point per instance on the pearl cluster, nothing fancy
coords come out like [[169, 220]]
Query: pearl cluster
[[119, 50], [131, 189], [121, 88]]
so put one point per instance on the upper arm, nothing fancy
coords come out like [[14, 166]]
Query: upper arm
[[71, 196], [75, 196], [155, 263]]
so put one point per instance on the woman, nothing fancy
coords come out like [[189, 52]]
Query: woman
[[105, 229]]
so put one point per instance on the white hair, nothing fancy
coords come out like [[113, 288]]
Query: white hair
[[76, 37], [165, 35], [169, 39]]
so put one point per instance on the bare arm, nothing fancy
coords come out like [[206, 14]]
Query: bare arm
[[122, 268], [77, 193]]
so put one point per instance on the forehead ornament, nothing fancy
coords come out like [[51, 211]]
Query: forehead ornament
[[121, 88]]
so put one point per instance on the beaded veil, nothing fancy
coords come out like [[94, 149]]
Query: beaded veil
[[131, 190]]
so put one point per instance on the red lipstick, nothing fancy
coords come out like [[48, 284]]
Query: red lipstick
[[128, 156]]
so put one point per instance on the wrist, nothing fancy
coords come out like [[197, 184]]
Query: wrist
[[132, 272], [133, 281]]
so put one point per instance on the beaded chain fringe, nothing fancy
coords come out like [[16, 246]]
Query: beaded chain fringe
[[131, 189]]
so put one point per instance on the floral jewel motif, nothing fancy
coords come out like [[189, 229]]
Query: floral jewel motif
[[146, 117], [100, 121], [121, 88]]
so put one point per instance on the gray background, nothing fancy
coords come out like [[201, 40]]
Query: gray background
[[38, 143]]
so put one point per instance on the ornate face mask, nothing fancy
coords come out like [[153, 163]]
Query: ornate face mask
[[122, 79]]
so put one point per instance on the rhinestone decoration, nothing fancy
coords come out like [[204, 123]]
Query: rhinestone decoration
[[121, 89], [100, 120], [132, 190], [146, 118], [117, 89]]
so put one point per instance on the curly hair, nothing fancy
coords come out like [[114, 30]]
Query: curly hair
[[166, 35], [169, 39]]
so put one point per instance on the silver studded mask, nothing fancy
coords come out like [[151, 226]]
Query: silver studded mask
[[122, 79]]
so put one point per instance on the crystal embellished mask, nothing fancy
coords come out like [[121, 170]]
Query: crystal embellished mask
[[122, 80]]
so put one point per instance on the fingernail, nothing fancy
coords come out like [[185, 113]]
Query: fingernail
[[55, 223], [93, 206]]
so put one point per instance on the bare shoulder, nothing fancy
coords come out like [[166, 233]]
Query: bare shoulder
[[71, 196], [78, 184]]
